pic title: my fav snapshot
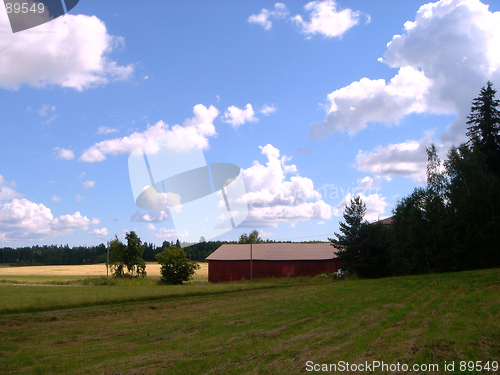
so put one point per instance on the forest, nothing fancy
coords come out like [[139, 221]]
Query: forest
[[64, 254], [451, 224]]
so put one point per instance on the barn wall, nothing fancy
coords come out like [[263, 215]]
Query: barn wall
[[233, 270]]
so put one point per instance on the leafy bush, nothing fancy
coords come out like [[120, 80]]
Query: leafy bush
[[175, 265]]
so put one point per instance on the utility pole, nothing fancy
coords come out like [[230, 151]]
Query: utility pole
[[107, 261], [251, 269]]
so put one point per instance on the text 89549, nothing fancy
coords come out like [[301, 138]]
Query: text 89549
[[25, 8]]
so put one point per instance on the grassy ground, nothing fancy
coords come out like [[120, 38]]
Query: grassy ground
[[19, 298], [273, 330]]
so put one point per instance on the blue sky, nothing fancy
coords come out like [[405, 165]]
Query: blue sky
[[314, 101]]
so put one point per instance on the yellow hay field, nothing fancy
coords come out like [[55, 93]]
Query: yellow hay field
[[153, 269]]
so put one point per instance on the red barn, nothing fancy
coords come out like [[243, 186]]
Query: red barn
[[232, 262]]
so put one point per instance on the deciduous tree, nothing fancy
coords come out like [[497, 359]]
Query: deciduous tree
[[127, 256], [253, 237]]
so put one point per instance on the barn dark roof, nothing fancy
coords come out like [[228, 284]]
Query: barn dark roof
[[387, 221], [275, 251]]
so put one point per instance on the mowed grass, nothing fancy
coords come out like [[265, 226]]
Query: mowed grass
[[273, 330], [36, 298], [33, 289]]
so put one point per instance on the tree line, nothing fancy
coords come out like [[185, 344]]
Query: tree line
[[66, 255], [451, 224], [53, 255]]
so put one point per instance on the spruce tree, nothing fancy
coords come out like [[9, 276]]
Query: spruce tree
[[484, 127], [353, 216], [362, 246]]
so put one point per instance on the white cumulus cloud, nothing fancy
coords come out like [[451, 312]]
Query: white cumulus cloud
[[326, 19], [268, 109], [274, 199], [63, 153], [353, 106], [6, 191], [263, 18], [23, 219], [443, 58], [88, 184], [106, 130], [103, 232], [193, 133], [407, 159], [151, 216], [236, 116], [70, 51]]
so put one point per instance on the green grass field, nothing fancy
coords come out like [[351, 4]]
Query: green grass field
[[265, 327]]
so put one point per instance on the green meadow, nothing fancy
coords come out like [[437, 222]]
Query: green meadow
[[265, 327]]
